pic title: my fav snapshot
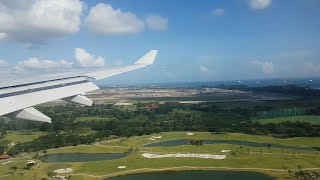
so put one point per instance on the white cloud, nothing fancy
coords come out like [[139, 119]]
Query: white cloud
[[103, 19], [259, 4], [311, 68], [3, 64], [35, 63], [36, 21], [203, 68], [85, 59], [218, 12], [156, 22], [266, 67]]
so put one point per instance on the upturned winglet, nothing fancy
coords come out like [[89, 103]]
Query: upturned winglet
[[147, 59]]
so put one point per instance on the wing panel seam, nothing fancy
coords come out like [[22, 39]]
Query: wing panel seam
[[41, 89]]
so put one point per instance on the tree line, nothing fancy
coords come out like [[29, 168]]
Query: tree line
[[66, 129]]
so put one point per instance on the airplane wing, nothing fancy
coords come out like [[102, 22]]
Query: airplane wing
[[18, 96]]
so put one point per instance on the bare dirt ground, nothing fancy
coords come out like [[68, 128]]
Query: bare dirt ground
[[125, 96]]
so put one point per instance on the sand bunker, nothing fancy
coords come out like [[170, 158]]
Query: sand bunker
[[61, 171], [225, 151], [156, 137], [6, 162], [180, 155], [31, 162]]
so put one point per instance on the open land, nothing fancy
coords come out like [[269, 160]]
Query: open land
[[128, 96], [307, 119], [272, 161], [245, 158]]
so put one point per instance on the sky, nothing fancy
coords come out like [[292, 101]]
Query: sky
[[207, 40]]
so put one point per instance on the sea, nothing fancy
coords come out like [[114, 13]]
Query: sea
[[304, 82]]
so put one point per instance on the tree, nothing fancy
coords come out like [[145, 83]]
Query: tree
[[15, 150], [2, 149], [284, 167], [14, 168], [269, 146], [36, 156], [131, 149], [51, 173], [6, 144], [29, 166]]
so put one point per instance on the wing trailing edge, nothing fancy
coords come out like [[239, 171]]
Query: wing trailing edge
[[18, 96]]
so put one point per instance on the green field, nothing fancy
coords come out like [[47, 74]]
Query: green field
[[93, 118], [307, 119], [246, 157], [21, 137]]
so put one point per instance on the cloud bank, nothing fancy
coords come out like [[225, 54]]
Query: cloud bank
[[83, 59], [3, 64], [35, 63], [265, 66]]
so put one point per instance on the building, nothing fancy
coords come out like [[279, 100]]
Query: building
[[151, 107], [4, 156]]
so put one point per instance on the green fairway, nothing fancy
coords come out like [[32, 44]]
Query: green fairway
[[141, 140], [21, 137], [242, 158], [307, 119], [93, 118], [89, 149]]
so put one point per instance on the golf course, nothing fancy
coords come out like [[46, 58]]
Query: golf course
[[269, 159]]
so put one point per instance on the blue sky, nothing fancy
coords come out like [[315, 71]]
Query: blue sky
[[197, 41]]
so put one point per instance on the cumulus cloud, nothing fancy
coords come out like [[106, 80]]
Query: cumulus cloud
[[85, 59], [103, 19], [266, 67], [156, 22], [36, 21], [35, 63], [259, 4], [218, 12]]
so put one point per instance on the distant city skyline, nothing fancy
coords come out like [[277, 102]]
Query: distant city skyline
[[197, 41]]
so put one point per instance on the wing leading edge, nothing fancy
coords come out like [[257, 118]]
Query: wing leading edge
[[18, 96]]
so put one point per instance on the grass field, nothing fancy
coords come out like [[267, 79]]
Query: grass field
[[19, 136], [93, 118], [141, 140], [245, 158], [308, 119]]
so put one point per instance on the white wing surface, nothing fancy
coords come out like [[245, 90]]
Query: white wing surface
[[18, 96]]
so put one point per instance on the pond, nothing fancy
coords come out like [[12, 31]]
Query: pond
[[80, 157], [234, 142], [191, 175]]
